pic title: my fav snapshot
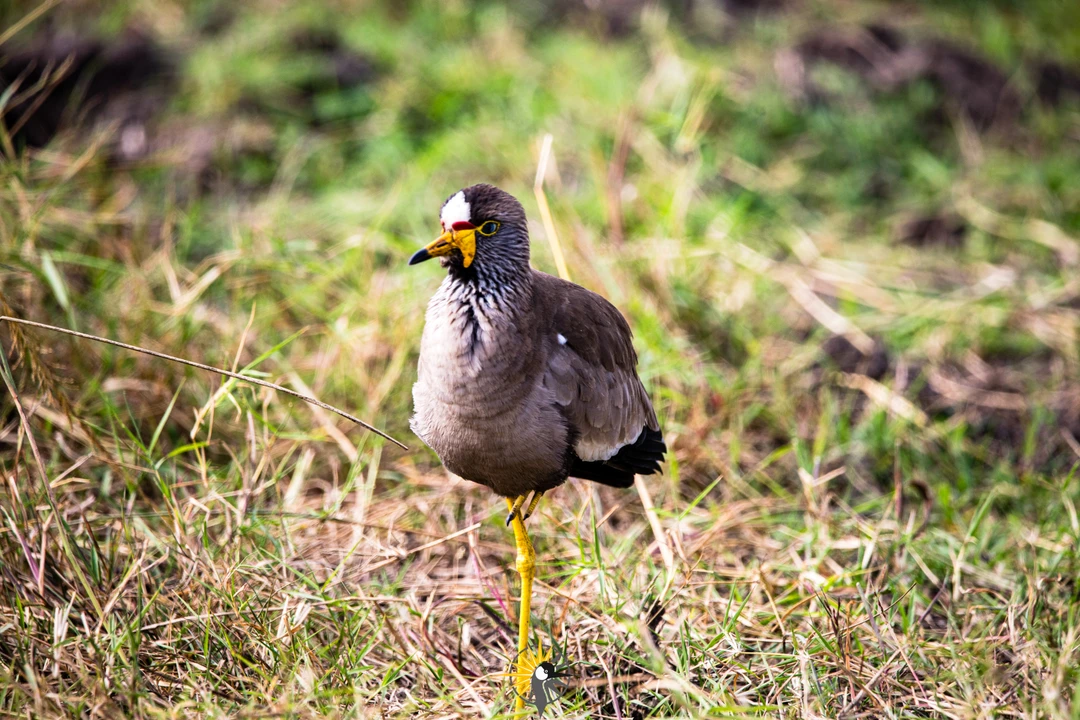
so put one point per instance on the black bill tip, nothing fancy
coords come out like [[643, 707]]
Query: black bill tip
[[420, 256]]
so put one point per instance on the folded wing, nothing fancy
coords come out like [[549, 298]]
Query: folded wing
[[592, 372]]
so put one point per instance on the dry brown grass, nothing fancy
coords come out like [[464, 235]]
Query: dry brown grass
[[869, 509]]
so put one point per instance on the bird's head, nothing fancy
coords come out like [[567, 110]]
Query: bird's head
[[484, 230]]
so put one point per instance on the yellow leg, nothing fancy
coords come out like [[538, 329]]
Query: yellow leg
[[526, 567]]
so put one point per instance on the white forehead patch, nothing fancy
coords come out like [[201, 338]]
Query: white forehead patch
[[455, 210], [540, 673]]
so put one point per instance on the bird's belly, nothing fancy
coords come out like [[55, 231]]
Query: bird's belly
[[520, 449]]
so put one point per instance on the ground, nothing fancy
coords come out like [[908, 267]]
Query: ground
[[845, 234]]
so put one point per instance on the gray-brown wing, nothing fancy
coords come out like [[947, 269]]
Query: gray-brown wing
[[592, 370]]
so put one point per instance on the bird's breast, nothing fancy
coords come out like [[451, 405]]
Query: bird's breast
[[511, 449], [479, 400], [473, 354]]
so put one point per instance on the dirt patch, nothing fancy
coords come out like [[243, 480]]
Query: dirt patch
[[1013, 407], [1055, 83], [945, 230], [741, 8], [66, 80], [850, 359], [980, 88], [331, 89], [341, 68], [887, 60]]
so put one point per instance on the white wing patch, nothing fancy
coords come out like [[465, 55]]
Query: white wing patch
[[595, 451], [455, 210], [562, 338]]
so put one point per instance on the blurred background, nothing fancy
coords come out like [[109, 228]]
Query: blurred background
[[844, 231]]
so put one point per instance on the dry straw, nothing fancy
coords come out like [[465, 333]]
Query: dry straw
[[208, 368]]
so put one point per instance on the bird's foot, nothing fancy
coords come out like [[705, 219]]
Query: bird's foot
[[515, 508], [519, 502], [532, 505]]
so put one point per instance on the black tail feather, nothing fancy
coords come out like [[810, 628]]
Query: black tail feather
[[641, 457], [602, 473]]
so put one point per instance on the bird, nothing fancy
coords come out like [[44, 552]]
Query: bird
[[541, 678], [524, 379]]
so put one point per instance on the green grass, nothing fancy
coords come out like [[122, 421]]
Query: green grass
[[841, 546]]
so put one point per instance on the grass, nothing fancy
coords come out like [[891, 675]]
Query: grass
[[884, 532]]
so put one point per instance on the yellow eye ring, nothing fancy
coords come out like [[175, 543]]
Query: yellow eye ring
[[488, 228]]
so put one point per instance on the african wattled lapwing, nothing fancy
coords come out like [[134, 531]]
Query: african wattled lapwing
[[524, 379]]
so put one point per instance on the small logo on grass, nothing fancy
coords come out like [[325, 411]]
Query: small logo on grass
[[539, 678]]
